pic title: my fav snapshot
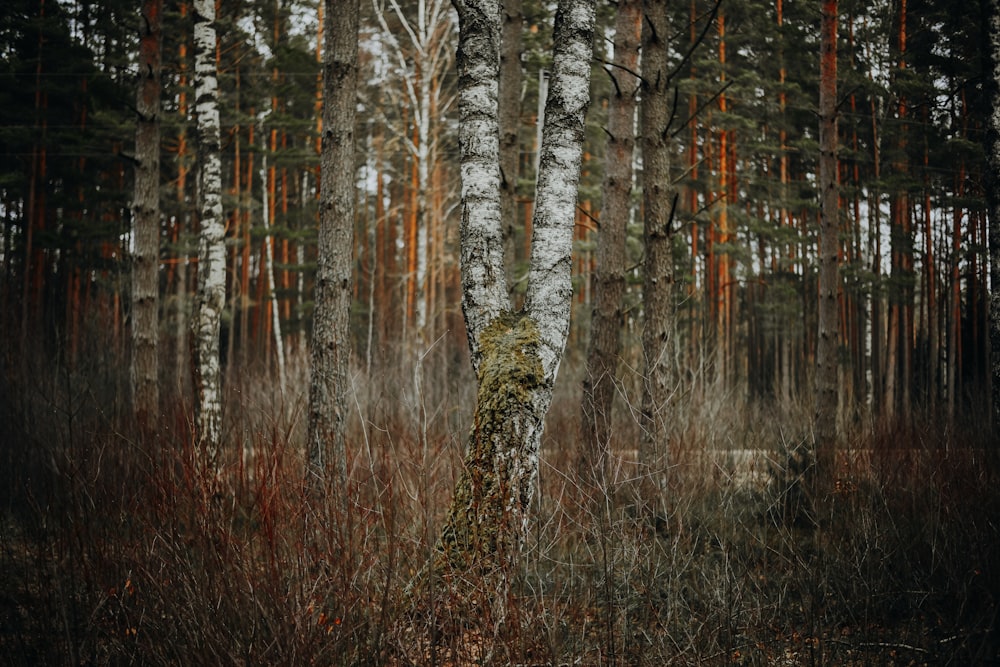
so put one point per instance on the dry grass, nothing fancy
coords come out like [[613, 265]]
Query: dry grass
[[113, 552]]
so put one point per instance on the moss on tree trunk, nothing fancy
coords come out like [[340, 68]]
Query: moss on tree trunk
[[485, 521]]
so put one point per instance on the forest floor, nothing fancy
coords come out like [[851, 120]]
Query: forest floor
[[113, 551]]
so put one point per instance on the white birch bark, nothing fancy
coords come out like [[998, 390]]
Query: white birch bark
[[516, 355], [279, 345], [550, 290], [211, 296], [425, 33], [484, 291]]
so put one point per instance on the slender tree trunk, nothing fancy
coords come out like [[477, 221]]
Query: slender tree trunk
[[955, 330], [246, 250], [930, 268], [211, 253], [146, 219], [182, 355], [900, 348], [31, 302], [609, 282], [659, 202], [992, 31], [330, 352], [723, 260], [829, 244], [423, 154], [875, 333], [515, 355], [784, 337], [266, 210], [695, 312]]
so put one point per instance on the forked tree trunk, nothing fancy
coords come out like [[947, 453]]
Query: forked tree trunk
[[829, 243], [146, 219], [211, 298], [609, 279], [515, 355], [330, 352]]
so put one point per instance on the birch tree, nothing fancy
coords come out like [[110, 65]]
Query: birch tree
[[426, 34], [211, 296], [330, 352], [146, 217], [515, 355]]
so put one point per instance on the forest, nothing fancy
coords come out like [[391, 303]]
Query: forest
[[509, 332]]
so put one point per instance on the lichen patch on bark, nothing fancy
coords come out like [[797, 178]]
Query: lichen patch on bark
[[494, 491]]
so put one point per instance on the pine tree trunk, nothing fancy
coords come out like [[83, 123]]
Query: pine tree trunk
[[609, 290], [211, 297], [875, 333], [182, 355], [246, 250], [900, 352], [992, 30], [515, 356], [235, 223], [722, 322], [31, 298], [829, 244], [933, 333], [954, 380], [659, 200], [784, 338], [146, 219], [331, 348]]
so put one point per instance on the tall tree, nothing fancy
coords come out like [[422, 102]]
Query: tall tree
[[899, 349], [146, 216], [829, 243], [659, 201], [515, 355], [330, 351], [616, 203], [991, 11], [211, 298]]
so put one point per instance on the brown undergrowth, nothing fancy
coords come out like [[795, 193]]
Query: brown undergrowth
[[113, 551]]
